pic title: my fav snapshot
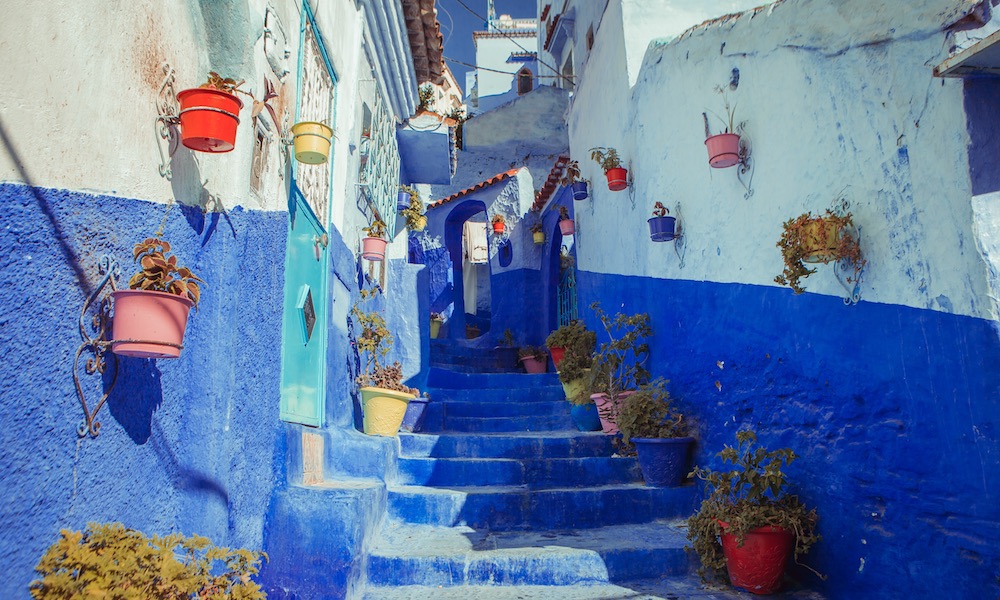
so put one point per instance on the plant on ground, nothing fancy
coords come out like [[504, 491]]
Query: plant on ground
[[114, 562], [531, 352], [606, 157], [648, 413], [751, 495], [160, 272], [578, 344], [799, 239], [374, 343]]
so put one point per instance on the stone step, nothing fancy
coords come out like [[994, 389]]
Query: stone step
[[507, 424], [558, 472], [506, 409], [539, 393], [669, 588], [506, 508], [562, 444], [435, 556], [442, 378]]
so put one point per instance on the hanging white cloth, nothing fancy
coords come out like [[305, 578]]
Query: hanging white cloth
[[476, 243], [470, 281]]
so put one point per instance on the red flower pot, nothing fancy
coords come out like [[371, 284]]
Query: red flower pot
[[149, 324], [567, 226], [373, 248], [617, 179], [535, 364], [723, 150], [209, 119], [498, 228], [557, 355], [758, 566]]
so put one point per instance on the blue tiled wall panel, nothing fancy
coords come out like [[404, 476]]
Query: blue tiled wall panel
[[894, 412]]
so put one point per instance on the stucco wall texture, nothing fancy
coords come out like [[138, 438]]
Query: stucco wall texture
[[186, 445]]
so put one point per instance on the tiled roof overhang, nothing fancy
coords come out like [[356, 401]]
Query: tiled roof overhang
[[426, 41]]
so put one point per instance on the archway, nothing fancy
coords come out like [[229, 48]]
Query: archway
[[468, 249]]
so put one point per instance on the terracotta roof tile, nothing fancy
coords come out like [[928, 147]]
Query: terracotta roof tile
[[426, 41], [551, 183], [482, 184]]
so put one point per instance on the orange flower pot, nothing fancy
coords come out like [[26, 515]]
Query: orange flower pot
[[498, 228], [209, 119], [617, 179]]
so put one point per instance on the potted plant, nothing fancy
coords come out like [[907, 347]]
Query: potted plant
[[661, 225], [499, 224], [566, 224], [210, 114], [659, 433], [571, 337], [436, 321], [617, 367], [723, 148], [612, 165], [414, 210], [403, 197], [151, 316], [537, 234], [383, 395], [113, 561], [373, 245], [572, 179], [749, 523], [312, 140], [571, 347], [534, 360], [816, 239]]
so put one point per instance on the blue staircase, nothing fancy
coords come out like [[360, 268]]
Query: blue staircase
[[501, 497]]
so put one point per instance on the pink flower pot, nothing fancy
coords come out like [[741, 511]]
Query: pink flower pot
[[567, 226], [149, 324], [607, 411], [373, 248], [723, 150], [535, 364]]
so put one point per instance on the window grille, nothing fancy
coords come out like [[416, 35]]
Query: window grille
[[316, 105], [261, 151], [379, 178]]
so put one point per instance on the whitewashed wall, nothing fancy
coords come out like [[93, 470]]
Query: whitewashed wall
[[833, 97]]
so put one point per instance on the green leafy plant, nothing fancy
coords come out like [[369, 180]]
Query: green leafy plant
[[222, 84], [618, 364], [606, 157], [374, 342], [729, 122], [579, 344], [563, 213], [749, 496], [414, 213], [659, 210], [507, 339], [459, 116], [425, 95], [113, 561], [498, 218], [376, 229], [648, 413], [160, 272], [572, 173], [536, 227], [803, 235], [436, 316]]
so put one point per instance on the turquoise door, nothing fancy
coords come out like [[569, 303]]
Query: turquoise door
[[307, 297]]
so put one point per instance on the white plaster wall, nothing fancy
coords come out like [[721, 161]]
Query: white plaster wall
[[830, 94], [492, 53], [79, 102]]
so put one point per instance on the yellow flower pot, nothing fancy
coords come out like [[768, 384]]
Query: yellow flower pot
[[383, 410], [312, 142], [435, 328], [419, 223], [576, 387], [539, 237]]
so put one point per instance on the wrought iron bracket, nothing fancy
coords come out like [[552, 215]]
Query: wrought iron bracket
[[95, 343], [849, 275], [746, 164], [167, 120], [680, 245]]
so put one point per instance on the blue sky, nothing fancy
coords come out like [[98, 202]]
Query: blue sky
[[457, 25]]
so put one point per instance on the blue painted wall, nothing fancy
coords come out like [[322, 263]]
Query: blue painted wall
[[187, 445], [894, 411]]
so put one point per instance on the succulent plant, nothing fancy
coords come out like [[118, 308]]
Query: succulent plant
[[160, 272]]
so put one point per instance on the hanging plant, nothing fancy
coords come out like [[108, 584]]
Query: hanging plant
[[817, 239], [661, 225], [209, 114], [723, 148], [373, 245], [611, 163], [566, 225], [499, 224], [573, 180]]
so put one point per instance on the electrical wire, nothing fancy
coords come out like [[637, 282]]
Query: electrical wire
[[454, 60]]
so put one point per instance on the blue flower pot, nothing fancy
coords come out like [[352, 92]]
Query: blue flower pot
[[579, 190], [413, 419], [585, 417], [661, 229], [402, 200], [663, 461]]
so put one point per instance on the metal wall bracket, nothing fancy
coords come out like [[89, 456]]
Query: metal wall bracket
[[680, 245], [848, 274], [95, 342], [746, 165], [168, 111]]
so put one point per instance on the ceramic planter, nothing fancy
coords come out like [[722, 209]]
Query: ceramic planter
[[579, 190], [538, 237], [402, 200], [585, 417], [558, 353], [373, 248], [535, 364], [723, 150], [383, 410], [153, 321], [435, 328], [413, 419], [498, 228], [209, 119], [663, 461], [607, 411], [567, 227], [661, 229], [759, 565], [819, 241], [312, 141], [575, 387], [617, 179]]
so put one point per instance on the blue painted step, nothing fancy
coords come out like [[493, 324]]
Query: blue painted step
[[507, 424], [563, 444], [433, 556], [560, 472], [442, 378], [668, 588], [506, 409], [502, 508], [541, 393]]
